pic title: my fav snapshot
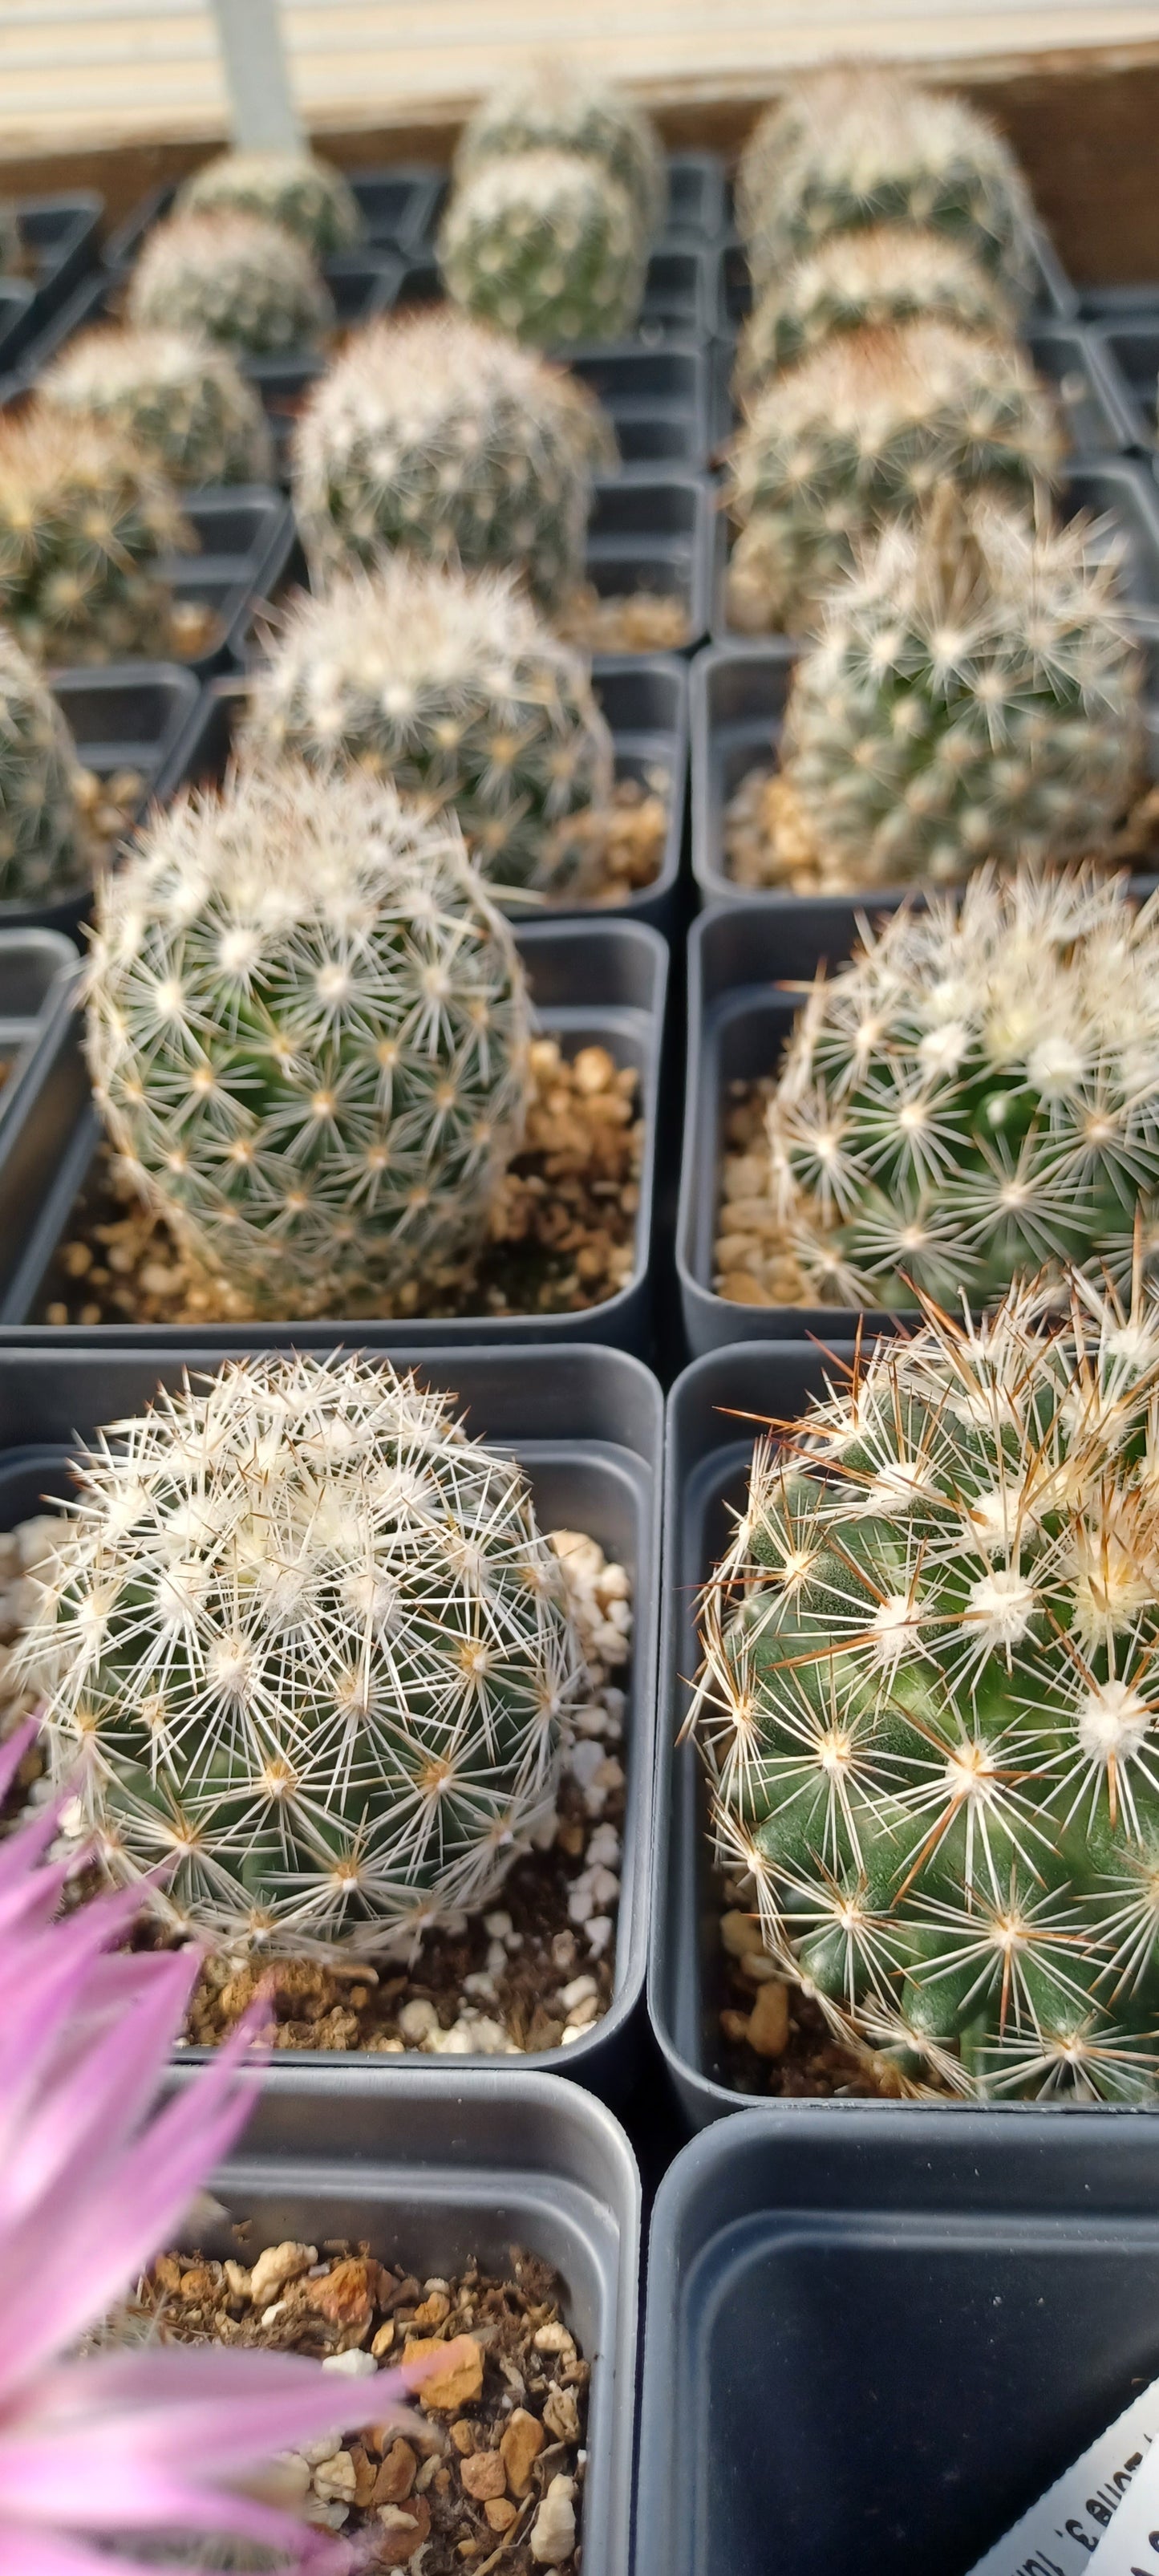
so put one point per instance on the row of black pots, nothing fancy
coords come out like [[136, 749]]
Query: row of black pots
[[60, 242]]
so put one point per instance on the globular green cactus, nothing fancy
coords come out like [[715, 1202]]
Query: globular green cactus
[[86, 520], [181, 398], [859, 433], [306, 1654], [867, 281], [547, 247], [448, 684], [848, 148], [435, 434], [308, 1033], [309, 197], [232, 277], [559, 108], [975, 1097], [929, 1706], [974, 694], [40, 840]]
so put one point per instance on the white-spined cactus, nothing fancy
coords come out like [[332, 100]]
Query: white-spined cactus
[[435, 434], [308, 1033], [975, 1097], [306, 1657], [929, 1710], [449, 685], [41, 857], [847, 148], [181, 398], [867, 282], [86, 520], [974, 694], [546, 246], [557, 107], [232, 277], [858, 434], [309, 197]]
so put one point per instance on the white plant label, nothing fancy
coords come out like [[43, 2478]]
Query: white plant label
[[1070, 2524], [1131, 2546]]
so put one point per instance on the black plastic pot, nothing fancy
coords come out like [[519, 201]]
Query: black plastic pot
[[645, 700], [679, 292], [122, 715], [1053, 297], [60, 236], [1127, 346], [397, 202], [247, 545], [592, 983], [872, 2342], [586, 1424], [17, 319], [37, 967], [362, 284], [437, 2173], [1116, 487]]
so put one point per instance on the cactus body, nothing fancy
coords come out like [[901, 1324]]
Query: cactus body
[[847, 149], [547, 247], [860, 432], [975, 1098], [866, 281], [308, 1033], [929, 1703], [556, 109], [231, 277], [447, 684], [311, 1654], [309, 198], [40, 855], [974, 694], [437, 435], [181, 398], [85, 519]]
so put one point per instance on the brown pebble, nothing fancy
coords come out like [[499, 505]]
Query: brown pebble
[[483, 2475], [458, 2383], [383, 2339], [403, 2529], [500, 2512], [768, 2022], [463, 2437], [520, 2448], [396, 2475], [344, 2297], [433, 2311]]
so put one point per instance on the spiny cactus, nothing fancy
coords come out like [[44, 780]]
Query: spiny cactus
[[309, 197], [973, 694], [85, 520], [559, 108], [975, 1097], [306, 1649], [308, 1033], [860, 432], [436, 434], [929, 1704], [546, 246], [40, 853], [181, 398], [848, 148], [867, 281], [233, 277], [447, 684]]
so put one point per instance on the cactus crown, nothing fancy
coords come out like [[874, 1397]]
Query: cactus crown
[[847, 148], [85, 519], [867, 281], [929, 1702], [859, 433], [310, 198], [558, 109], [40, 854], [233, 277], [976, 1096], [312, 1652], [546, 246], [447, 684], [180, 397], [435, 434], [308, 1032], [974, 694]]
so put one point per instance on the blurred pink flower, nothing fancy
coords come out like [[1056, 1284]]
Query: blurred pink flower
[[93, 2183]]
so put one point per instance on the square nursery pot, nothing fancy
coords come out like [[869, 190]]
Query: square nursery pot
[[246, 550], [644, 697], [679, 292], [587, 1427], [593, 983], [37, 971], [1126, 343], [738, 696], [698, 200], [121, 715], [60, 235], [458, 2170], [872, 2344], [1117, 489]]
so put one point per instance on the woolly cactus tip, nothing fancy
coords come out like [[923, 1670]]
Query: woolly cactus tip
[[180, 397], [557, 106], [871, 280], [230, 276], [309, 197], [546, 246]]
